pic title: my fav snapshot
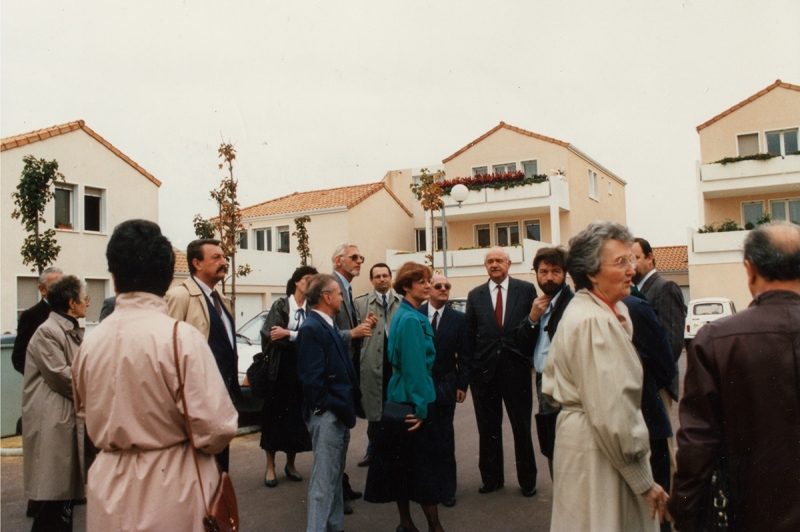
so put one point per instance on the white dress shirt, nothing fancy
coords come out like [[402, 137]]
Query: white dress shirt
[[293, 326], [225, 320], [645, 278], [325, 317], [493, 288]]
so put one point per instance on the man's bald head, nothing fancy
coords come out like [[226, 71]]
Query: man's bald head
[[773, 250]]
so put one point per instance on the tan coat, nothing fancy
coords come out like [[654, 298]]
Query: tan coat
[[185, 302], [126, 388], [601, 462], [50, 433]]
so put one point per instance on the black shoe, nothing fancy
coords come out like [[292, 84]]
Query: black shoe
[[270, 483], [401, 528], [488, 489], [297, 477], [529, 492], [366, 461], [349, 493], [33, 507], [348, 510], [449, 503]]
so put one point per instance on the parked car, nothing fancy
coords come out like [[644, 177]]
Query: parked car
[[248, 340], [705, 310], [458, 303]]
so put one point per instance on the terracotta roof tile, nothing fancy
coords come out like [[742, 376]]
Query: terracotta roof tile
[[671, 258], [500, 126], [315, 200], [40, 134], [181, 264], [759, 94]]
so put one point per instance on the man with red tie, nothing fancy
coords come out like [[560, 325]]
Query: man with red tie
[[500, 372]]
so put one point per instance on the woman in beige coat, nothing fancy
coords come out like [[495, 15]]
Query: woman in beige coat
[[50, 435], [601, 471], [126, 389]]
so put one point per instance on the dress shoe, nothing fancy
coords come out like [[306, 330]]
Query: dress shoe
[[401, 528], [348, 510], [349, 493], [488, 489], [297, 477], [270, 483], [529, 492], [449, 503], [366, 461]]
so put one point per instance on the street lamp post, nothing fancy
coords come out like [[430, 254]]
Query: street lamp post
[[459, 193]]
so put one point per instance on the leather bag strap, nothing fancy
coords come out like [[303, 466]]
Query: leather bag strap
[[186, 412]]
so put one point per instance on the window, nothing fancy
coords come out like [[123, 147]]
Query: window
[[64, 215], [782, 142], [27, 293], [533, 230], [283, 239], [594, 186], [438, 240], [504, 168], [610, 191], [96, 290], [263, 239], [421, 239], [483, 236], [480, 170], [507, 233], [751, 213], [243, 240], [531, 168], [93, 209], [747, 144], [785, 209]]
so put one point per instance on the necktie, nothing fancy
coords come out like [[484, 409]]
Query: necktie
[[435, 321], [498, 308], [299, 317], [352, 307], [217, 305], [385, 308]]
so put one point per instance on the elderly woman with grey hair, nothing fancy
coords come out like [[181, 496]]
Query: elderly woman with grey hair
[[601, 471]]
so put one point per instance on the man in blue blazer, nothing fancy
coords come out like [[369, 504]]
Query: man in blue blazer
[[451, 339], [331, 393], [500, 371]]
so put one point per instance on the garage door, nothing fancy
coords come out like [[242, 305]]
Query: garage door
[[247, 306]]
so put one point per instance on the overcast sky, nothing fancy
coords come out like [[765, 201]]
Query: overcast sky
[[324, 94]]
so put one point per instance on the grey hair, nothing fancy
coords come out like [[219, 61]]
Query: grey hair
[[45, 273], [774, 251], [504, 250], [318, 285], [339, 252], [68, 288], [586, 248]]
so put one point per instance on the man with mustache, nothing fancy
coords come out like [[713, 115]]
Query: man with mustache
[[196, 302], [550, 265]]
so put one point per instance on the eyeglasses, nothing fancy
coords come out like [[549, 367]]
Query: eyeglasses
[[356, 258], [439, 286], [623, 262]]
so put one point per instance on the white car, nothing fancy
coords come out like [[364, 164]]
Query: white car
[[706, 310], [248, 340]]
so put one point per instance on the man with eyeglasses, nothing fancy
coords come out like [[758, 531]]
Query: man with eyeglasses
[[550, 265], [347, 261], [450, 375], [376, 370]]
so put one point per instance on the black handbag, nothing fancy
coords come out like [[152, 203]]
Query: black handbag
[[258, 376], [397, 411], [546, 431]]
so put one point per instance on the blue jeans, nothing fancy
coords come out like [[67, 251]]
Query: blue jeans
[[329, 441]]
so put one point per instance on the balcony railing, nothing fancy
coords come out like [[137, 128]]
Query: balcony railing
[[780, 174]]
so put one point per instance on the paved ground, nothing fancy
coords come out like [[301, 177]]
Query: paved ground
[[284, 508]]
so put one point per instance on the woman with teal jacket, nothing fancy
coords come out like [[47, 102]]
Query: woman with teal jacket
[[406, 462]]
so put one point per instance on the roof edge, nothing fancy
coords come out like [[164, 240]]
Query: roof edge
[[602, 168], [759, 94], [503, 125]]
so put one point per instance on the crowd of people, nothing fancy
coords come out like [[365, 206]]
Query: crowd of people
[[147, 399]]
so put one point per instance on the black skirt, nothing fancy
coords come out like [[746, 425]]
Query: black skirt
[[405, 465], [283, 428]]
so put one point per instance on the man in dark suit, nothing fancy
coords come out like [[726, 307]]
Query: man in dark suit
[[195, 301], [500, 372], [667, 300], [31, 318], [450, 379], [330, 391], [550, 265]]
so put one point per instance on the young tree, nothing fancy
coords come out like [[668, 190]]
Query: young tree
[[429, 193], [39, 250], [302, 239], [204, 229], [228, 225]]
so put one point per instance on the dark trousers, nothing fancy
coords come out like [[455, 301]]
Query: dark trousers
[[511, 384], [660, 464], [373, 429], [53, 516], [223, 458], [447, 445]]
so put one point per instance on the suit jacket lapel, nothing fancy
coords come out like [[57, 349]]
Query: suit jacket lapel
[[445, 321], [511, 301]]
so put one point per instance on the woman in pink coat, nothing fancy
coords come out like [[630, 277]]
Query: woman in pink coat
[[126, 389]]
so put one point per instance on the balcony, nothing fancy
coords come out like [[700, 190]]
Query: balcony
[[777, 175], [715, 248]]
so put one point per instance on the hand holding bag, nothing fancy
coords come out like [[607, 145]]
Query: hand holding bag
[[223, 514]]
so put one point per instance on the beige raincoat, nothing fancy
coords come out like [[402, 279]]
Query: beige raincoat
[[126, 388]]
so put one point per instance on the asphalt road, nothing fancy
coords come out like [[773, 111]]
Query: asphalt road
[[284, 508]]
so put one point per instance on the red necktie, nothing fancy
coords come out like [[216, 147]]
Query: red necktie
[[498, 308]]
